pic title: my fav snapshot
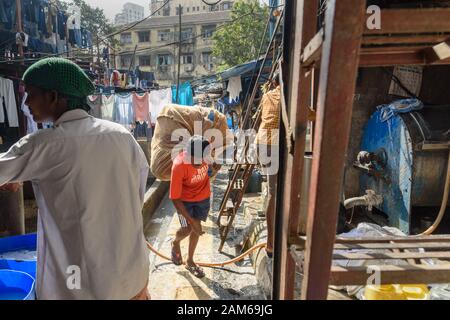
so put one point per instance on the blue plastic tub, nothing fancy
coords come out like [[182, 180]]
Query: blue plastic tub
[[17, 243], [16, 285]]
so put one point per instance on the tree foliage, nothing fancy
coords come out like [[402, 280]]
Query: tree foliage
[[239, 42]]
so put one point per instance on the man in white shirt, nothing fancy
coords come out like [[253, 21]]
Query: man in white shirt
[[89, 178]]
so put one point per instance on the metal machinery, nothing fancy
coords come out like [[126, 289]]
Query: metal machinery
[[405, 159]]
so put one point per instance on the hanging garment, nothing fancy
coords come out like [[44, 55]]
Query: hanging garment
[[62, 24], [141, 107], [107, 109], [234, 87], [185, 97], [123, 110], [158, 99], [268, 133], [95, 103], [142, 130], [8, 96], [90, 206], [123, 80], [115, 78], [31, 125]]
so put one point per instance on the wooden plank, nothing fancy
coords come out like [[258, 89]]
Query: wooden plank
[[437, 238], [385, 60], [313, 50], [344, 22], [403, 21], [415, 245], [394, 49], [390, 274], [391, 255], [406, 39]]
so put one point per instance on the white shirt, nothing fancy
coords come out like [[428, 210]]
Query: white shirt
[[7, 92], [158, 99], [89, 179], [31, 125]]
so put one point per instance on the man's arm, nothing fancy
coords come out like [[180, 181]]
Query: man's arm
[[18, 163]]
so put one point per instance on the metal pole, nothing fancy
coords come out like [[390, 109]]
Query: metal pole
[[98, 59], [179, 52], [19, 28], [132, 58]]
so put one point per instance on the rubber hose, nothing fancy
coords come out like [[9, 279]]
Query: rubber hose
[[208, 264], [441, 213]]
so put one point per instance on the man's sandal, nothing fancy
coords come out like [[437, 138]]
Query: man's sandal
[[177, 259], [196, 271]]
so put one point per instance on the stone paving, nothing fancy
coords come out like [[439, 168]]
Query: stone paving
[[232, 282]]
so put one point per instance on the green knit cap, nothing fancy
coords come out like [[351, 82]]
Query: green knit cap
[[64, 76]]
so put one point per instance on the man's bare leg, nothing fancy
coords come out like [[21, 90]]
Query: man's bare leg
[[181, 234], [193, 241]]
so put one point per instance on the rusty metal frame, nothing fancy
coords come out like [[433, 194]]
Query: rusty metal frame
[[344, 26], [297, 93], [338, 49], [340, 54]]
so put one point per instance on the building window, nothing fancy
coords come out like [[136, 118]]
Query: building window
[[186, 33], [125, 61], [227, 5], [208, 31], [214, 8], [166, 11], [198, 8], [187, 59], [164, 35], [164, 60], [144, 60], [178, 9], [125, 38], [206, 57], [144, 36]]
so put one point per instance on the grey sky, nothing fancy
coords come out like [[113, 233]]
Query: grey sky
[[112, 7]]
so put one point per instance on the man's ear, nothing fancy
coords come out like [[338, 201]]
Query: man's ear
[[52, 96]]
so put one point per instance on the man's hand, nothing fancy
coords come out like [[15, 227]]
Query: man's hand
[[11, 187]]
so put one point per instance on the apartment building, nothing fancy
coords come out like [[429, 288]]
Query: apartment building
[[156, 44], [131, 12], [188, 7]]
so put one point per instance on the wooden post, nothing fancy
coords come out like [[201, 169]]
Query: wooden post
[[344, 24], [19, 28], [179, 52], [12, 211], [297, 92]]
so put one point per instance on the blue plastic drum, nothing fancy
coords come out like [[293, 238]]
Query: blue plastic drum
[[16, 285]]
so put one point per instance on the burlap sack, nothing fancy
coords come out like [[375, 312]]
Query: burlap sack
[[168, 124]]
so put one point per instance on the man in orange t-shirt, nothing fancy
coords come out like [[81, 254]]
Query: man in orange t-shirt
[[190, 192]]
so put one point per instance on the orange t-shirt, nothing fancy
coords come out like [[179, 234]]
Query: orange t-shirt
[[188, 183]]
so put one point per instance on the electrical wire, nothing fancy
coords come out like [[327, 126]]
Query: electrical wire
[[211, 4], [187, 39], [100, 40], [138, 22]]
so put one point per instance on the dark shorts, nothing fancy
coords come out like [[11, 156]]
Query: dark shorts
[[197, 210]]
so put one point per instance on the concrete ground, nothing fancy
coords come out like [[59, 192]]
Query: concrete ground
[[232, 282]]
